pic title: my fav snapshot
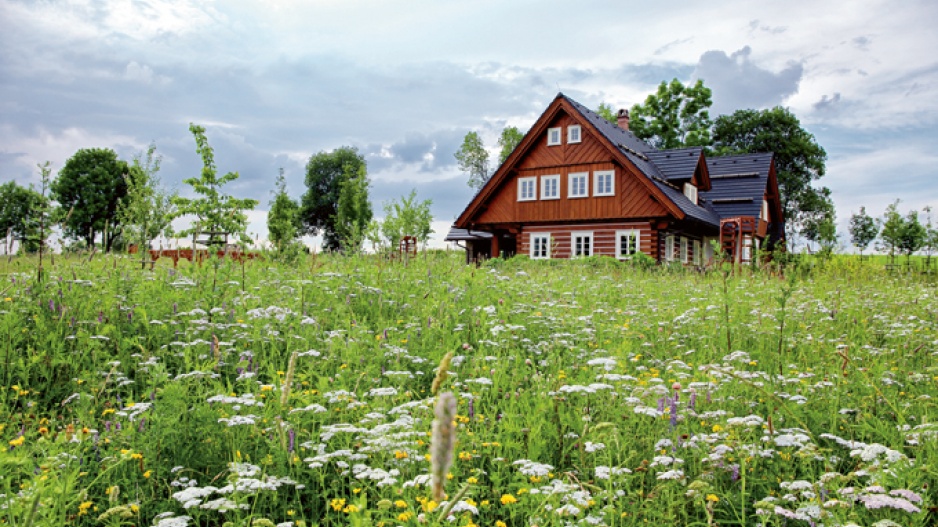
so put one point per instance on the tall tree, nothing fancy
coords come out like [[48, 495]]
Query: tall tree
[[931, 237], [353, 212], [674, 116], [820, 225], [863, 230], [606, 112], [89, 189], [283, 218], [473, 159], [215, 211], [507, 142], [325, 174], [799, 159], [893, 225], [407, 217], [146, 210], [20, 208], [913, 235]]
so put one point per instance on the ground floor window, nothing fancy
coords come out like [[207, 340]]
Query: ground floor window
[[626, 243], [581, 244], [684, 258], [669, 249], [697, 252], [540, 245]]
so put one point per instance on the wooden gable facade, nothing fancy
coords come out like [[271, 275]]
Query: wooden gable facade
[[577, 185]]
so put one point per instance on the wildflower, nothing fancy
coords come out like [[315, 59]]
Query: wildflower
[[508, 499], [713, 498], [337, 504], [18, 441], [147, 474], [404, 516], [499, 523], [83, 507], [429, 506]]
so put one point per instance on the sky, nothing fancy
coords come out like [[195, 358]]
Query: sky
[[275, 82]]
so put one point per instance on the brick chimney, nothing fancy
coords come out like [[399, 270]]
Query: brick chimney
[[623, 119]]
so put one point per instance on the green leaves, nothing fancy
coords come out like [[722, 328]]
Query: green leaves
[[407, 217], [214, 211], [20, 208], [509, 139], [325, 173], [474, 160], [673, 117]]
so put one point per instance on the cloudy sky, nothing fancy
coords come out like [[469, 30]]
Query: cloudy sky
[[403, 81]]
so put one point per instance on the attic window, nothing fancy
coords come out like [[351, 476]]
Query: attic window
[[604, 183], [553, 136], [691, 192], [527, 189], [577, 186], [573, 134]]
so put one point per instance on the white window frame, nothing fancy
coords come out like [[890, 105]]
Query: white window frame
[[669, 248], [555, 178], [691, 192], [697, 252], [554, 136], [598, 176], [540, 240], [571, 187], [684, 246], [522, 181], [765, 210], [574, 129], [635, 237], [573, 240]]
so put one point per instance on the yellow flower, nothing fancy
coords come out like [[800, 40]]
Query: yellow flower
[[400, 454], [337, 504], [429, 506], [713, 498], [148, 473], [405, 516], [465, 456], [499, 523], [7, 299], [472, 481], [18, 441], [400, 504], [508, 499], [717, 429], [83, 507], [349, 509]]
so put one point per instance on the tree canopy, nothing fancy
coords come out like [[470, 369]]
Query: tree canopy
[[20, 208], [473, 159], [407, 217], [799, 159], [283, 218], [353, 212], [863, 229], [146, 210], [675, 116], [215, 211], [507, 142], [325, 174], [89, 189], [606, 112]]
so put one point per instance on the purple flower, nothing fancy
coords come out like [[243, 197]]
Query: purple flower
[[693, 400], [472, 411], [661, 402], [292, 435], [673, 413]]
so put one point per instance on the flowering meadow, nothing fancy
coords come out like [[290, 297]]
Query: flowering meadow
[[586, 392]]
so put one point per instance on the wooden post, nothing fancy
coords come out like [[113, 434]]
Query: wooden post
[[495, 249]]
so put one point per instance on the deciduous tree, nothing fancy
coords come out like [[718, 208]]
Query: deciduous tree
[[215, 212], [674, 116], [353, 213], [913, 235], [473, 159], [606, 112], [325, 174], [407, 217], [147, 209], [893, 225], [20, 208], [507, 142], [863, 230], [799, 159], [89, 189]]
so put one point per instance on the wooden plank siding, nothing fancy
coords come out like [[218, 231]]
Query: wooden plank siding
[[630, 200]]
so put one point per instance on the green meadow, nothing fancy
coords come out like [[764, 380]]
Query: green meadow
[[589, 392]]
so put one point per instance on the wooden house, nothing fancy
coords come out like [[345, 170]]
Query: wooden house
[[578, 185]]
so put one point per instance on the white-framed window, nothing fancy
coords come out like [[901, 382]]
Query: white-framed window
[[550, 187], [527, 188], [581, 244], [540, 245], [684, 254], [627, 243], [604, 183], [553, 136], [697, 252], [669, 248], [691, 192], [578, 185], [573, 134]]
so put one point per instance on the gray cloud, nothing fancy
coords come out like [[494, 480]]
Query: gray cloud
[[827, 103], [738, 83], [755, 25]]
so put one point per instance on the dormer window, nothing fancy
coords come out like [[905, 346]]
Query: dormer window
[[691, 192], [553, 136], [573, 134]]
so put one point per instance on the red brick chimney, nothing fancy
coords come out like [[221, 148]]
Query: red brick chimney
[[623, 119]]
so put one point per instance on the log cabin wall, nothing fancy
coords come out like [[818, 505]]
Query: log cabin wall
[[604, 237]]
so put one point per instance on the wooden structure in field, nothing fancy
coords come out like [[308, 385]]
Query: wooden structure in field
[[578, 185]]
